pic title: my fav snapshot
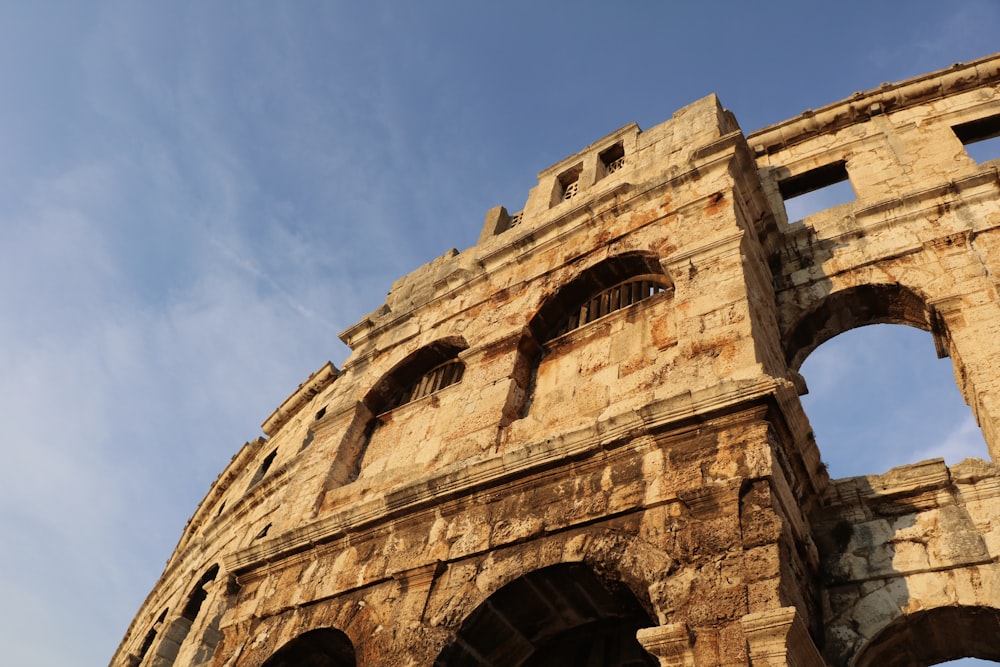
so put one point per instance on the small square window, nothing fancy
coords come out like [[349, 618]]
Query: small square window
[[568, 184], [981, 138], [613, 159], [816, 190]]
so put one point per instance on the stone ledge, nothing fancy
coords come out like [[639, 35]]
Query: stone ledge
[[469, 476]]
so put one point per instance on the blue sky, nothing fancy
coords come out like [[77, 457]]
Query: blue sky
[[197, 197]]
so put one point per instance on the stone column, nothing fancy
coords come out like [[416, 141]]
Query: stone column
[[779, 638], [670, 644], [962, 332]]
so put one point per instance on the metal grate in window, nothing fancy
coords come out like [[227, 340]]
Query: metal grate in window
[[437, 378], [608, 301]]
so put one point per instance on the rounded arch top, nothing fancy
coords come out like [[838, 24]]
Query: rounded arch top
[[605, 274], [850, 308], [560, 615], [323, 647], [933, 636], [385, 393]]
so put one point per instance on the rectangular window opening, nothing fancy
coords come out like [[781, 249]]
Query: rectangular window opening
[[816, 190], [569, 183], [981, 138], [262, 470], [613, 159]]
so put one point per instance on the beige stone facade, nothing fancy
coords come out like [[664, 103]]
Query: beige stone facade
[[580, 442]]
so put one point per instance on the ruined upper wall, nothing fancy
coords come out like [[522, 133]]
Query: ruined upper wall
[[864, 105], [918, 244]]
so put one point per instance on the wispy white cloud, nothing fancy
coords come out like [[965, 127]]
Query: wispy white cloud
[[879, 398], [197, 200], [964, 440]]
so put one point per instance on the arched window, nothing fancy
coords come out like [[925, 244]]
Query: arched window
[[325, 647], [180, 627], [147, 641], [432, 372], [559, 616], [437, 378], [610, 300], [422, 373], [610, 285], [199, 594], [610, 322]]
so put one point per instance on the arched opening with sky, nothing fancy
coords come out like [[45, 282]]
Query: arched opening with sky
[[879, 397]]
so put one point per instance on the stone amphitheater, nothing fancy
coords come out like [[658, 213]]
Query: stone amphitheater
[[580, 442]]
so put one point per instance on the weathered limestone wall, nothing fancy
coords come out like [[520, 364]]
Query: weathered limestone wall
[[917, 247], [917, 540], [924, 226], [644, 486]]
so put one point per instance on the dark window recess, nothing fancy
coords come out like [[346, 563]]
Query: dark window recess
[[816, 190], [613, 159], [263, 533], [419, 374], [436, 379], [569, 183], [321, 413], [326, 646], [221, 507], [608, 301], [147, 641], [265, 465], [199, 594], [981, 138]]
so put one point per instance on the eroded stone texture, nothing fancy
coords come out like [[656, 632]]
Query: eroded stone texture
[[582, 440]]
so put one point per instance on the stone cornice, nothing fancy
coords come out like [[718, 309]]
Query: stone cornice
[[885, 99], [314, 384], [516, 244], [469, 476]]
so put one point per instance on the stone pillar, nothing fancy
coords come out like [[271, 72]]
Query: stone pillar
[[960, 332], [418, 582], [170, 645], [779, 638], [670, 644], [497, 221]]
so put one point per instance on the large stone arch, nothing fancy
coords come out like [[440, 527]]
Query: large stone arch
[[332, 633], [621, 561], [560, 615], [932, 636], [850, 308], [322, 647]]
